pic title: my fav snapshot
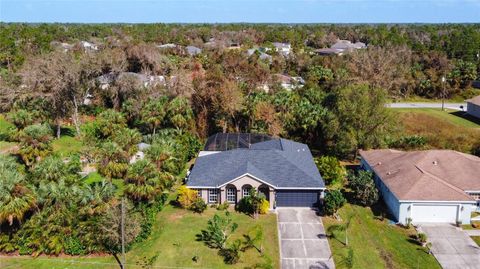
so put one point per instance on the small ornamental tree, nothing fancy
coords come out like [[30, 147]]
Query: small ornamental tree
[[334, 200], [330, 169], [219, 230], [363, 187]]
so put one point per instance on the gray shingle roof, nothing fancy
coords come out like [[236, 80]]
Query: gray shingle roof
[[279, 162]]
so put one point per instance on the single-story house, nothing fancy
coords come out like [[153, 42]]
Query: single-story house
[[232, 164], [426, 186], [473, 106]]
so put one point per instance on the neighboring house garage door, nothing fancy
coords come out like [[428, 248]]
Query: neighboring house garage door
[[296, 198], [434, 213]]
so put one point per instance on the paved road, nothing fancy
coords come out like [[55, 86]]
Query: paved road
[[303, 242], [455, 106], [452, 247]]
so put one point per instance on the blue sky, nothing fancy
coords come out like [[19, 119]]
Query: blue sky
[[211, 11]]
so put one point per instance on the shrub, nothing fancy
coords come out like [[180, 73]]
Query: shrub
[[224, 206], [244, 206], [409, 142], [264, 207], [334, 200], [199, 206], [421, 238], [331, 169], [73, 246], [186, 197], [363, 187], [231, 254]]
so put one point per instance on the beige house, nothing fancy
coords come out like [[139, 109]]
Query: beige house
[[232, 164], [426, 186]]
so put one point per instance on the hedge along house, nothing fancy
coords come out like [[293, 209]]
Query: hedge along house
[[232, 164], [426, 186]]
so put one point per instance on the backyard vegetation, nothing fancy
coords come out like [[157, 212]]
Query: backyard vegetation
[[434, 128]]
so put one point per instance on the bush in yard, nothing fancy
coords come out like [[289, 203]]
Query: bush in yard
[[231, 254], [251, 204], [422, 238], [198, 206], [223, 206], [73, 246], [363, 187], [186, 197], [331, 169], [334, 200], [264, 207], [219, 230]]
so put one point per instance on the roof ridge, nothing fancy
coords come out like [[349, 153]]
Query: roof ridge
[[294, 164], [440, 180]]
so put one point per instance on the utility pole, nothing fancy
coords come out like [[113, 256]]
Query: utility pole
[[443, 93], [123, 233]]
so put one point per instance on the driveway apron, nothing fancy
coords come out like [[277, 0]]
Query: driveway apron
[[303, 242], [451, 246]]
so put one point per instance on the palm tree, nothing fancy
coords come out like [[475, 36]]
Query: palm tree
[[35, 143], [332, 230], [153, 113], [16, 197], [142, 183]]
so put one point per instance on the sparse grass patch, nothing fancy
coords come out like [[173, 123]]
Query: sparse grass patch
[[476, 239], [441, 129]]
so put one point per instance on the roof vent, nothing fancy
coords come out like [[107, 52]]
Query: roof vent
[[389, 173], [435, 163], [379, 163]]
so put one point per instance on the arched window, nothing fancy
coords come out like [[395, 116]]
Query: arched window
[[246, 190], [231, 194]]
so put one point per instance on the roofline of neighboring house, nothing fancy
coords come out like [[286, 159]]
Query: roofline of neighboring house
[[438, 201], [394, 194]]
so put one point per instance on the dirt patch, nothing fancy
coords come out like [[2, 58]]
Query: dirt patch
[[177, 216], [387, 258]]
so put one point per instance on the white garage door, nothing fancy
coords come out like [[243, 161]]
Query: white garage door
[[434, 213]]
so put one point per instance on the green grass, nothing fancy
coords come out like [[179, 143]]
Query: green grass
[[4, 145], [96, 177], [5, 125], [476, 239], [376, 243], [173, 239], [67, 145], [452, 116]]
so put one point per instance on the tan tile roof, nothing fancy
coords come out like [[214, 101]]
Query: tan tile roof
[[475, 100], [431, 175]]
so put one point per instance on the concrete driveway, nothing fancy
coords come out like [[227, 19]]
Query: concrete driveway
[[452, 247], [303, 242]]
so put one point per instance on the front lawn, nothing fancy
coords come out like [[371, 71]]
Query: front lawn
[[173, 240], [376, 243]]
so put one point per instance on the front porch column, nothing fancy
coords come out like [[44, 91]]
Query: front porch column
[[222, 195], [272, 197]]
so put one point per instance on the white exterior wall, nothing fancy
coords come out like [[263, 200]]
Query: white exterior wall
[[463, 215], [390, 200], [473, 109]]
